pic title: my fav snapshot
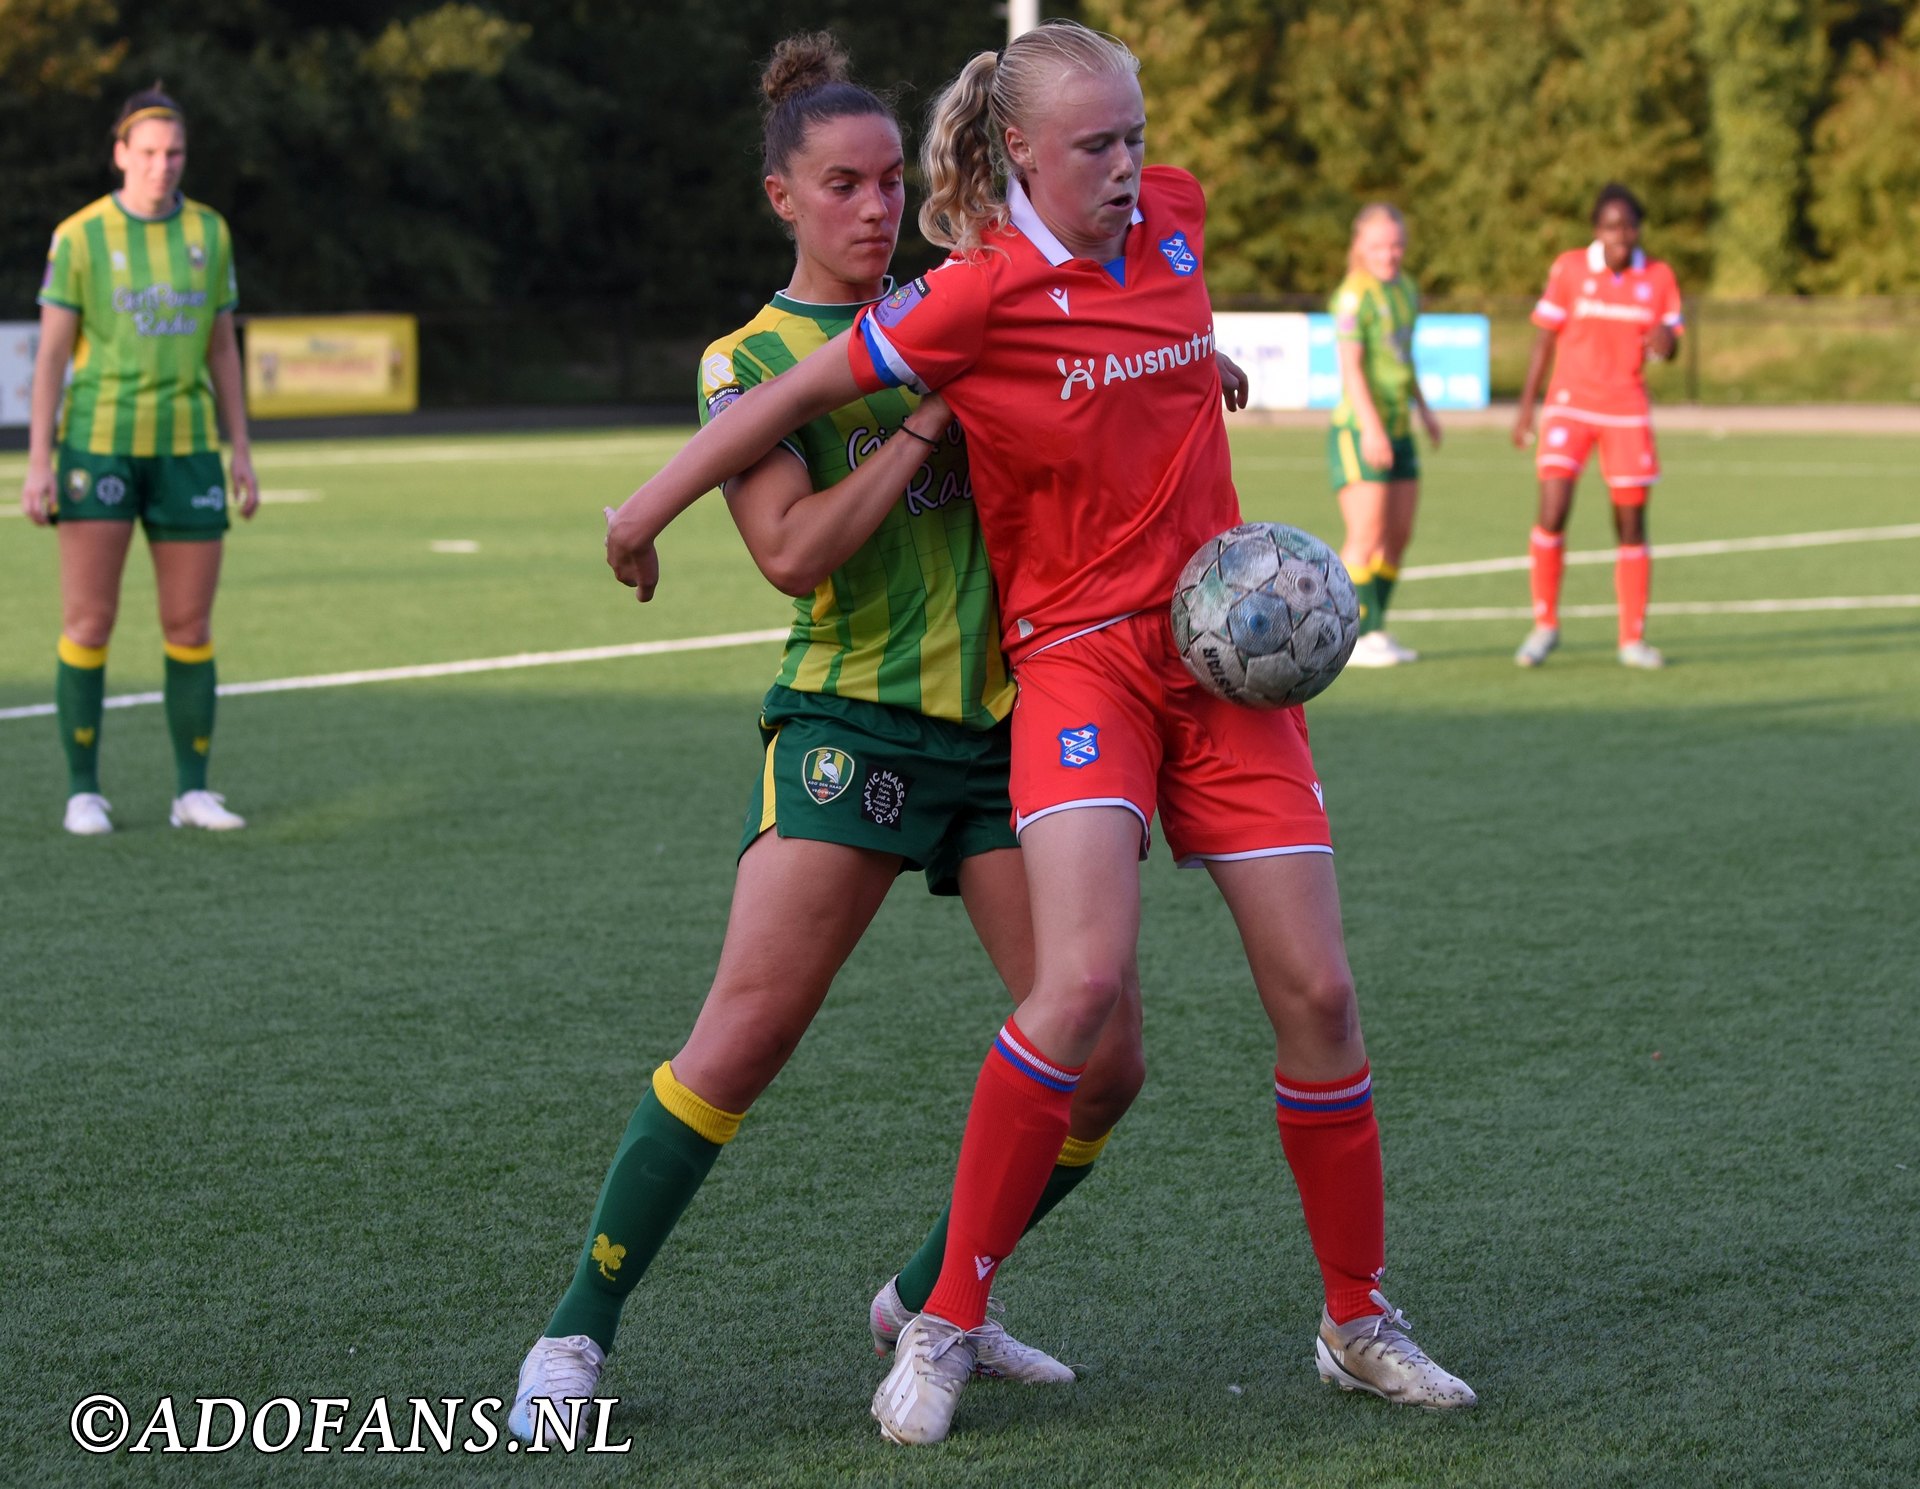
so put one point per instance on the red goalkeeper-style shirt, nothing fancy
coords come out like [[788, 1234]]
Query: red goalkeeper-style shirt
[[1091, 403], [1603, 319]]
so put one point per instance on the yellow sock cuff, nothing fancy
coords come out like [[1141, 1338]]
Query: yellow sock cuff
[[1362, 574], [91, 658], [1079, 1152], [703, 1117], [1387, 570], [190, 653]]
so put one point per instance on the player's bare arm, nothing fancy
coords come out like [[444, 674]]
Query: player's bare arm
[[1420, 406], [1233, 382], [727, 447], [223, 367], [1375, 447], [1539, 364], [798, 536], [59, 329], [1662, 342]]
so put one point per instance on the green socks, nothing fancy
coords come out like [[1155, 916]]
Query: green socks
[[669, 1147], [917, 1277], [190, 691], [1385, 576], [1366, 587], [79, 692]]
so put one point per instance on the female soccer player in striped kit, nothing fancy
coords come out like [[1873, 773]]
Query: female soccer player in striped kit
[[1606, 309], [886, 735], [1374, 464], [1072, 334], [139, 294]]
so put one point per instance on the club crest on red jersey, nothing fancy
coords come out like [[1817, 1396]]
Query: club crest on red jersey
[[1080, 747], [897, 306], [1182, 258]]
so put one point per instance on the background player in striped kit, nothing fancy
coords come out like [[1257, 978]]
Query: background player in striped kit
[[139, 293], [1096, 477], [886, 740], [1374, 465], [1606, 309]]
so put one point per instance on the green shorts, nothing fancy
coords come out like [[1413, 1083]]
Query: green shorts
[[178, 498], [840, 770], [1345, 467]]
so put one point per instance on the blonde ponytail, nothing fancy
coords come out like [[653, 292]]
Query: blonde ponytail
[[964, 158]]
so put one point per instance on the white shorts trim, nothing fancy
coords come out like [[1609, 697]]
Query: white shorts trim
[[1585, 416], [1566, 460], [1099, 625], [1194, 860], [1021, 824], [1652, 480]]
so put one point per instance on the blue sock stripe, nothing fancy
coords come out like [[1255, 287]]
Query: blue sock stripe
[[1291, 1105], [1033, 1067]]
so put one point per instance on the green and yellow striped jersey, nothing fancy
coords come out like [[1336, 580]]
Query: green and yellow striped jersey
[[910, 619], [1380, 318], [147, 291]]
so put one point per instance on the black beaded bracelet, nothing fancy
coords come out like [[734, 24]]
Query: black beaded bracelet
[[911, 434]]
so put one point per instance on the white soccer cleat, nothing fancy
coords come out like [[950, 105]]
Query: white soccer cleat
[[1401, 654], [87, 814], [916, 1402], [562, 1372], [1541, 642], [1373, 650], [1639, 654], [1376, 1354], [997, 1354], [206, 809]]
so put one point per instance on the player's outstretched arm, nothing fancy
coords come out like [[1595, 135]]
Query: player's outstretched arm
[[1539, 364], [798, 536], [722, 450]]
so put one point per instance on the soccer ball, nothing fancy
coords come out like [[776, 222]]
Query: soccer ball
[[1265, 615]]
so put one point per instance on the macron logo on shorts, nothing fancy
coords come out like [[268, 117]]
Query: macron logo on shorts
[[1079, 747]]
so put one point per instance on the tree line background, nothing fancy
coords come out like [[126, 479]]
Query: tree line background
[[520, 155]]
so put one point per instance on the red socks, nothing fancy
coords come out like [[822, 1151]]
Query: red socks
[[1549, 562], [1632, 580], [1332, 1145], [1014, 1131]]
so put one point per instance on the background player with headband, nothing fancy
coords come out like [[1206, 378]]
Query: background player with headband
[[1374, 464], [886, 735], [139, 294], [1072, 333], [1606, 309]]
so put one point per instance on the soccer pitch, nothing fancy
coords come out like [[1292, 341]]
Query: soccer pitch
[[319, 1109]]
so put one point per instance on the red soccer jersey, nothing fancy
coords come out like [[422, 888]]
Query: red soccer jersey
[[1092, 407], [1603, 319]]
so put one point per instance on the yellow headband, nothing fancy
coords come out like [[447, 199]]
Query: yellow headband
[[140, 116]]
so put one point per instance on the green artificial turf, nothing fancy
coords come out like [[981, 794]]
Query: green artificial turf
[[320, 1108]]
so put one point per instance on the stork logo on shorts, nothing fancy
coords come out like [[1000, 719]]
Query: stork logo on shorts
[[827, 773], [111, 491], [1183, 259], [77, 483], [898, 305], [1079, 747], [884, 798], [1557, 435]]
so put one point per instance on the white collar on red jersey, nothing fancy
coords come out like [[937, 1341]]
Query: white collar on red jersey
[[1597, 258], [1037, 232]]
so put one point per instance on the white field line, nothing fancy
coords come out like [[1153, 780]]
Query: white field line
[[442, 669], [1677, 607], [1675, 550]]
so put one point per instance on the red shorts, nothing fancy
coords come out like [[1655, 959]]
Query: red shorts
[[1113, 718], [1629, 464]]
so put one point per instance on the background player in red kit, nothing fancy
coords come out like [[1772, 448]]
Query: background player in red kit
[[1072, 334], [1606, 309]]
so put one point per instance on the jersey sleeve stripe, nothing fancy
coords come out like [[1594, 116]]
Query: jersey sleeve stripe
[[888, 364], [1547, 310]]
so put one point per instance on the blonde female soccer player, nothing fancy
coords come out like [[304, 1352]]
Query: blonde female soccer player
[[886, 736], [1370, 450], [1073, 335], [139, 295]]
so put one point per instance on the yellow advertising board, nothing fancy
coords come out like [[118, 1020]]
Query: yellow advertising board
[[303, 366]]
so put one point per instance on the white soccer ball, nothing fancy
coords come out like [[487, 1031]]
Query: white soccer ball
[[1265, 615]]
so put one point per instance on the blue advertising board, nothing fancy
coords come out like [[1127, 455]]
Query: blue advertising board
[[1453, 353]]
